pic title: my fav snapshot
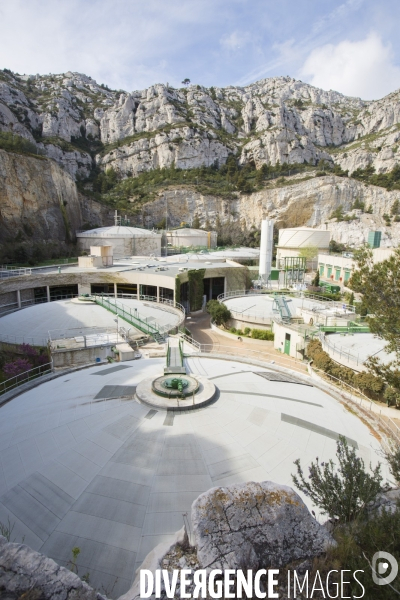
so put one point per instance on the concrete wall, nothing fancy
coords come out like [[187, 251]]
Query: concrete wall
[[83, 356], [124, 246], [296, 339]]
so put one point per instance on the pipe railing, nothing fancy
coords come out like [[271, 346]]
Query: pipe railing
[[33, 302], [360, 399], [290, 293], [245, 352], [338, 350], [26, 376]]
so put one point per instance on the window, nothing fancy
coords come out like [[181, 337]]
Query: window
[[321, 270], [337, 273], [329, 271], [347, 275]]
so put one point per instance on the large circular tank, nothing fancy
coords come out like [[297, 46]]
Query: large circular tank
[[125, 240], [301, 237], [192, 237]]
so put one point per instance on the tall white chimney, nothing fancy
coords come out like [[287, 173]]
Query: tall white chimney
[[267, 237]]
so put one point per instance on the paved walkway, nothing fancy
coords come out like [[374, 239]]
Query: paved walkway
[[199, 326]]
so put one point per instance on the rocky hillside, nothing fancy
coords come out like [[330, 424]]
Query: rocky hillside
[[90, 130], [40, 208], [77, 122]]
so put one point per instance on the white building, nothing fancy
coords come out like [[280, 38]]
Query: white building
[[125, 241], [338, 269], [191, 237], [292, 240]]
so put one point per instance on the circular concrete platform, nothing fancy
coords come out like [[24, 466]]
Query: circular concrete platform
[[206, 393]]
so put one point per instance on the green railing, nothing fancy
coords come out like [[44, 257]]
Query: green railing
[[351, 328], [181, 351], [126, 314], [168, 355]]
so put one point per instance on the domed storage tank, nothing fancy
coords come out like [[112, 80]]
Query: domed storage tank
[[125, 241], [191, 237], [292, 240]]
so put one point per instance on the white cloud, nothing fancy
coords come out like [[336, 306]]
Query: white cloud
[[235, 40], [127, 44], [364, 68]]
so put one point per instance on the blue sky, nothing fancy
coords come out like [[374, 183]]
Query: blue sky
[[352, 46]]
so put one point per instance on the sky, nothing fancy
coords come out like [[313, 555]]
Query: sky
[[351, 46]]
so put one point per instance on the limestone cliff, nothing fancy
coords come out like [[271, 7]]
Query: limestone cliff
[[39, 202], [86, 128], [80, 123], [309, 202]]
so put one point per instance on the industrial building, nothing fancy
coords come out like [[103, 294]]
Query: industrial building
[[187, 237], [292, 241], [338, 268], [124, 240]]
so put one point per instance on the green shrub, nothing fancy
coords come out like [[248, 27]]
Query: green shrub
[[15, 143], [262, 334], [392, 396], [219, 312], [367, 382], [340, 492], [247, 330], [232, 330], [356, 545]]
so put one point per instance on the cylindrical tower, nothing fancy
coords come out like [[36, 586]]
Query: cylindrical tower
[[267, 236]]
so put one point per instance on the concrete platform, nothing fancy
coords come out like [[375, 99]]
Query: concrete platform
[[31, 325], [82, 463], [206, 394]]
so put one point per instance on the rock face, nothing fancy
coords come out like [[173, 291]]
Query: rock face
[[39, 201], [276, 119], [85, 127], [25, 573], [254, 525], [308, 203]]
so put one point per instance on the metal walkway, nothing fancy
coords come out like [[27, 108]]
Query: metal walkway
[[283, 308], [157, 333], [174, 358]]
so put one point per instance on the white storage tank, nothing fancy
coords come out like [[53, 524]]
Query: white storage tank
[[292, 240], [125, 240], [186, 236]]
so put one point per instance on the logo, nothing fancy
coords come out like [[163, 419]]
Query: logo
[[384, 568]]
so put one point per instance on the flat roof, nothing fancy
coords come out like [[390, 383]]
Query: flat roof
[[359, 346], [32, 324], [145, 264], [83, 464], [117, 231]]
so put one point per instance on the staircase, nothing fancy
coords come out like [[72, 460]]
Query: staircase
[[174, 358], [283, 308], [133, 319]]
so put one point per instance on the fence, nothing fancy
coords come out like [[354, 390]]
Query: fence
[[274, 357], [26, 376], [334, 349], [7, 271], [89, 337], [362, 401], [292, 293]]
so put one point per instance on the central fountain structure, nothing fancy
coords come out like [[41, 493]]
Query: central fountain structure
[[176, 390]]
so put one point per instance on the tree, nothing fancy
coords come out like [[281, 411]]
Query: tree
[[219, 312], [308, 252], [315, 281], [186, 81], [342, 493], [336, 247], [380, 285]]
